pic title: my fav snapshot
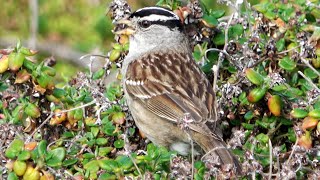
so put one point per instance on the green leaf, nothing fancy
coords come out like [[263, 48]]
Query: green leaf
[[212, 21], [14, 149], [254, 76], [124, 162], [56, 157], [219, 39], [24, 155], [310, 73], [108, 128], [280, 45], [119, 143], [101, 141], [107, 176], [315, 113], [88, 155], [280, 87], [217, 13], [98, 74], [69, 162], [298, 113], [108, 164], [291, 135], [287, 64], [270, 14], [248, 126], [12, 176], [235, 31], [286, 122], [262, 138], [103, 151], [249, 115], [92, 166]]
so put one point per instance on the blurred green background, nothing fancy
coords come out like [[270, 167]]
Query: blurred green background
[[66, 29], [79, 24]]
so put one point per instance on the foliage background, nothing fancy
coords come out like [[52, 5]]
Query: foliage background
[[270, 110]]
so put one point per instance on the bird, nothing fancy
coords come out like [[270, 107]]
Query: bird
[[170, 98]]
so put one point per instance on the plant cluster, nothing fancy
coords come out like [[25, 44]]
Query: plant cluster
[[263, 61]]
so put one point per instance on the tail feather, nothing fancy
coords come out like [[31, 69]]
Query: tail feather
[[214, 146]]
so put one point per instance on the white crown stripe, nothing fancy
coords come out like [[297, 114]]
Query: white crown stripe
[[155, 17], [158, 8]]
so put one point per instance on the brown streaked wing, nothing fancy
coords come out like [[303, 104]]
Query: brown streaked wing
[[171, 85]]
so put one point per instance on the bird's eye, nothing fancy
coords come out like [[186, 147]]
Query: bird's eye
[[145, 24]]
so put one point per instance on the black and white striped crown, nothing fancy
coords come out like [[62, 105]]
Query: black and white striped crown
[[158, 15]]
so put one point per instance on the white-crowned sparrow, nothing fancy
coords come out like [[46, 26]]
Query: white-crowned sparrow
[[170, 98]]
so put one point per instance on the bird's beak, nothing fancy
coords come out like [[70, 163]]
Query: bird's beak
[[128, 28]]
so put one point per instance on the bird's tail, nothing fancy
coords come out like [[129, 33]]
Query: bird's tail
[[216, 146]]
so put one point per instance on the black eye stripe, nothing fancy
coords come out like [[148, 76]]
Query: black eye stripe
[[169, 23]]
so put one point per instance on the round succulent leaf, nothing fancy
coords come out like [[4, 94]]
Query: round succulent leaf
[[274, 105], [287, 64], [254, 76], [92, 166], [98, 74], [309, 123], [32, 110], [124, 162], [107, 176], [256, 94], [19, 167], [305, 140], [56, 155], [103, 151], [280, 44], [69, 162], [118, 143], [280, 87], [4, 63], [31, 174], [248, 126], [315, 113], [14, 149], [298, 113], [210, 20], [108, 164], [310, 73], [24, 155], [12, 176], [101, 141]]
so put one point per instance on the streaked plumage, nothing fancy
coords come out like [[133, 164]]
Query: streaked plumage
[[164, 86]]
